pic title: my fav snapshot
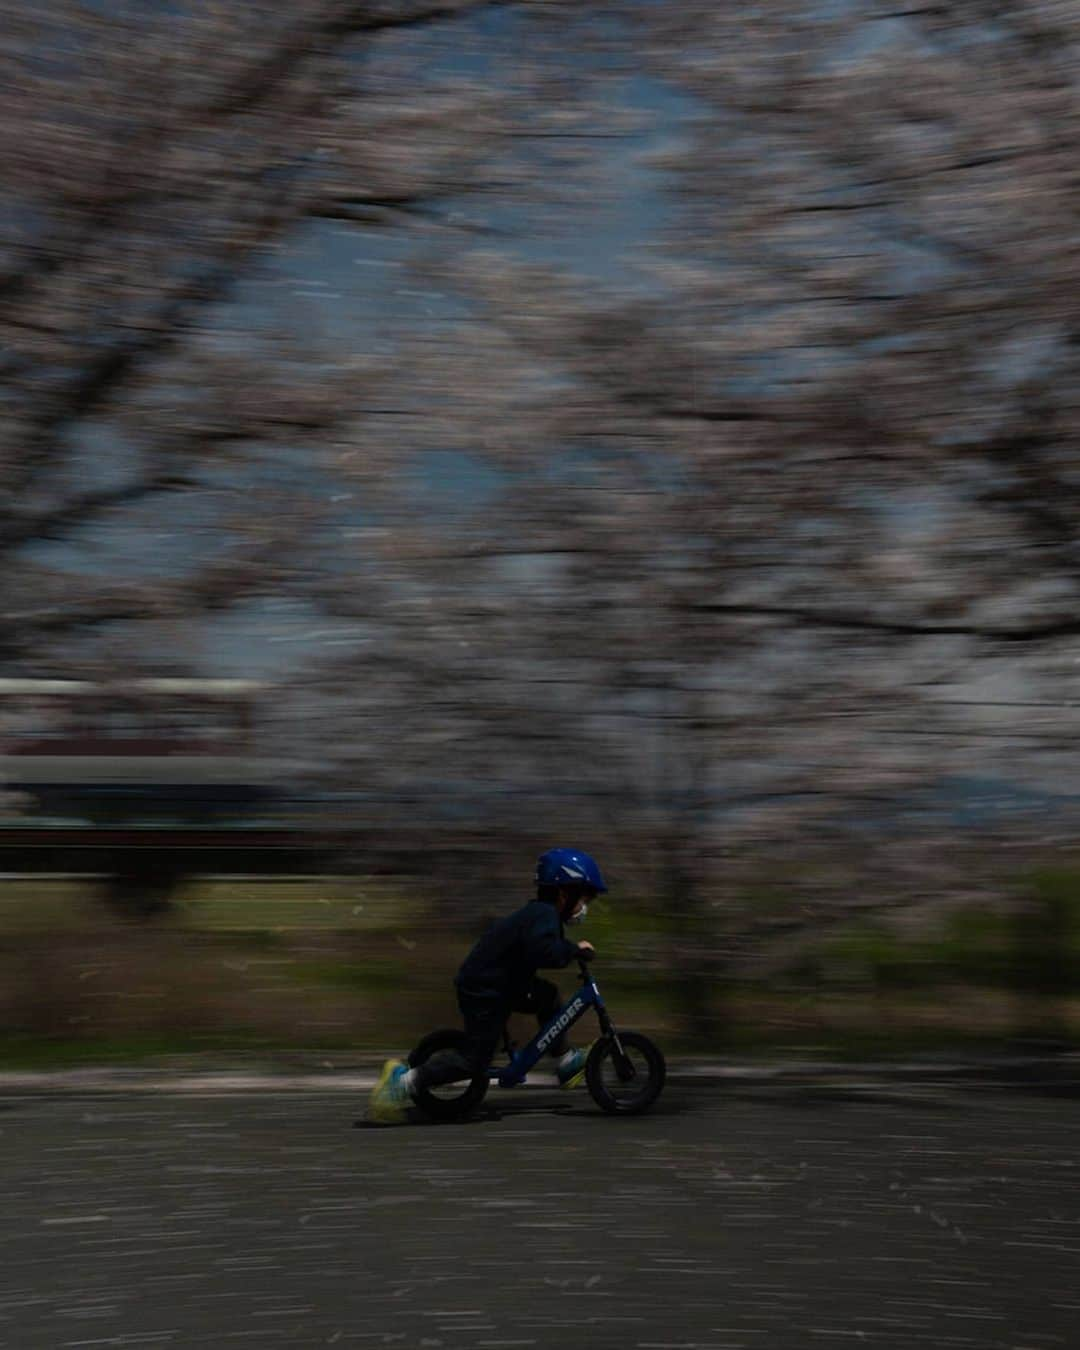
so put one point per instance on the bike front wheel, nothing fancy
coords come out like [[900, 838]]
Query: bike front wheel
[[450, 1101], [625, 1073]]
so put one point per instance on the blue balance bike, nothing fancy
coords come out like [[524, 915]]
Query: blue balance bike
[[624, 1072]]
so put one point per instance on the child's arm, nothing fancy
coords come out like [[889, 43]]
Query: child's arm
[[545, 945]]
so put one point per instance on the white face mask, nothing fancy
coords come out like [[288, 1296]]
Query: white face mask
[[578, 915]]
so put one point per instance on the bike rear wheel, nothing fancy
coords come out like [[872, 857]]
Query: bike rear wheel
[[625, 1082], [449, 1101]]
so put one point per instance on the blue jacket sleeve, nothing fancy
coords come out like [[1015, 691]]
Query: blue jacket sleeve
[[545, 946]]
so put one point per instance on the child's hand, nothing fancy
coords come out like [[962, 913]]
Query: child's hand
[[586, 950]]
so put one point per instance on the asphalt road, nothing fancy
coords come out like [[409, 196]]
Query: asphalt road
[[728, 1217]]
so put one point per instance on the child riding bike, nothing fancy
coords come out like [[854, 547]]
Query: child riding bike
[[499, 977]]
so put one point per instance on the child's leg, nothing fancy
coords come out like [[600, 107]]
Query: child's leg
[[484, 1022], [543, 1000]]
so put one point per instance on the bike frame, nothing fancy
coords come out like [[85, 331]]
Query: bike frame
[[521, 1061]]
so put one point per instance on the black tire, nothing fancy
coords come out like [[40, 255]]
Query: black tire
[[452, 1101], [602, 1077]]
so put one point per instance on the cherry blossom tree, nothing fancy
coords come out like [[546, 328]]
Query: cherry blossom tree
[[754, 519], [773, 529]]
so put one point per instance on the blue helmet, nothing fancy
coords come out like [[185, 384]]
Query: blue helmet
[[569, 867]]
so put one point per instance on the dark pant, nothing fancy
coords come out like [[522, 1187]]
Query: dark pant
[[485, 1017]]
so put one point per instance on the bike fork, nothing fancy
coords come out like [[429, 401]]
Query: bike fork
[[624, 1066]]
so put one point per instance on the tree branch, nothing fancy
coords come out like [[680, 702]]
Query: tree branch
[[310, 37], [102, 375], [845, 619], [80, 510]]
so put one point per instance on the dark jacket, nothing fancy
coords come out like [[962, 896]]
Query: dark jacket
[[505, 960]]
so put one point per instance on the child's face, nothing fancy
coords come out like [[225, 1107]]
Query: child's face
[[574, 907]]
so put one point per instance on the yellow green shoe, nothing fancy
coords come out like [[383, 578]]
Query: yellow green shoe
[[572, 1072], [389, 1102]]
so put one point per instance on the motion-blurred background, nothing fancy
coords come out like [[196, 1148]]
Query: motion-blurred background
[[433, 432]]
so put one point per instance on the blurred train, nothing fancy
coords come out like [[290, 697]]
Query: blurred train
[[144, 748], [144, 781]]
